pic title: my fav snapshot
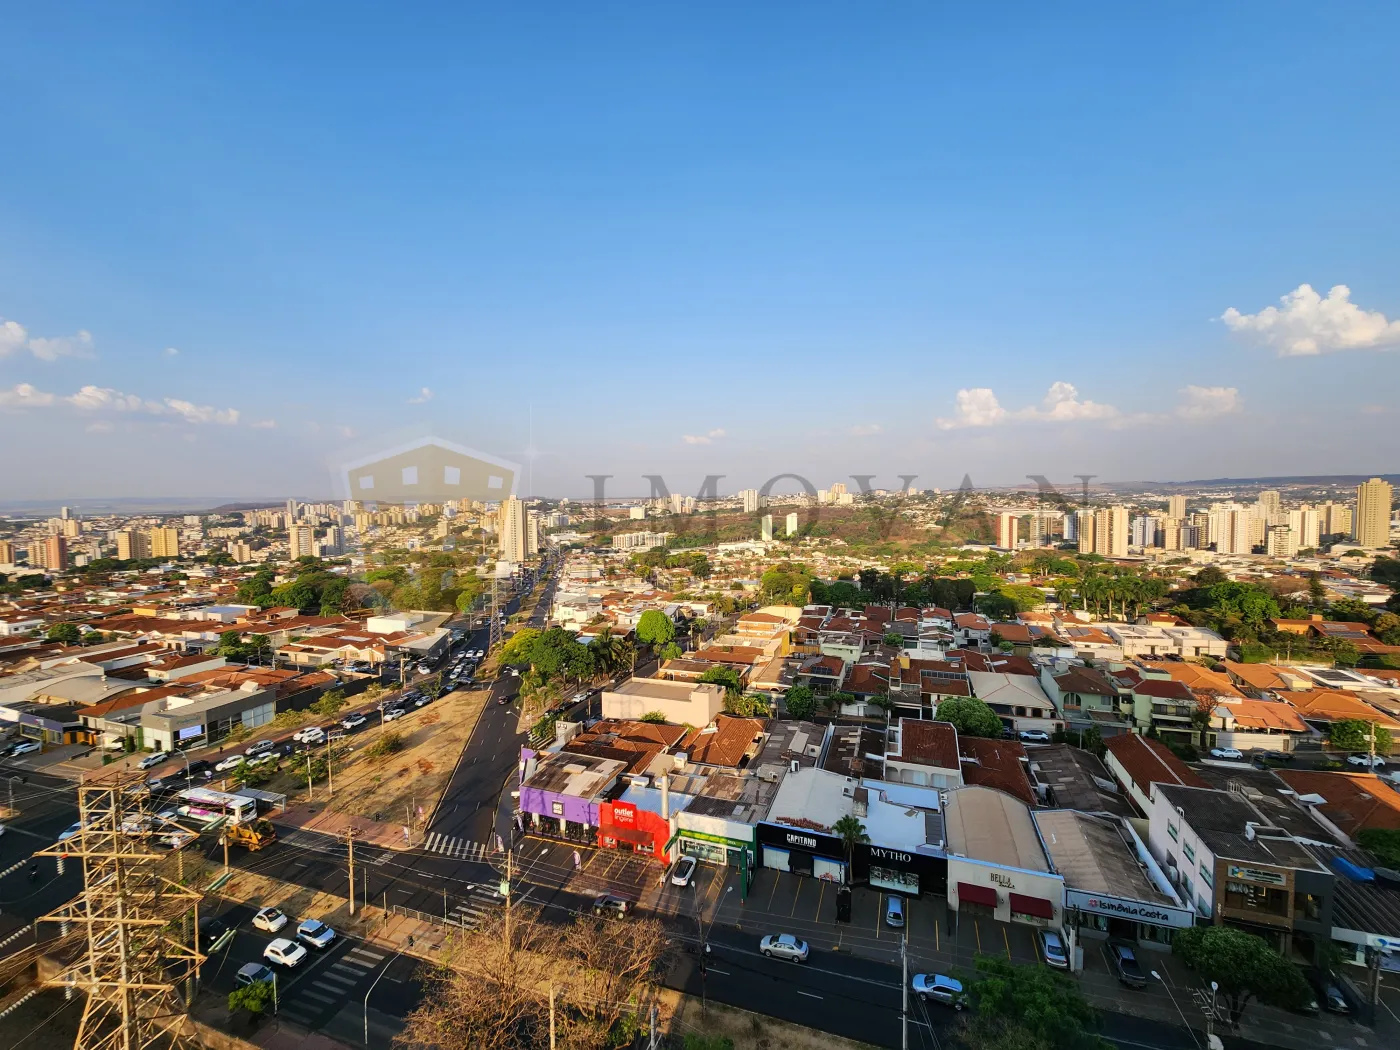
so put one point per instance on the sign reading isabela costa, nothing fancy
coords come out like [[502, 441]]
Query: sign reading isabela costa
[[1136, 911]]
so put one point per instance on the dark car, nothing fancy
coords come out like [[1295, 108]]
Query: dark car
[[611, 905], [1122, 961], [201, 769], [211, 930], [1329, 993]]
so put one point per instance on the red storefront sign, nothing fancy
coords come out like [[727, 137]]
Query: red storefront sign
[[622, 825]]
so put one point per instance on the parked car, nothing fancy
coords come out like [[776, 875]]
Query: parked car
[[284, 952], [612, 905], [230, 763], [1034, 736], [1329, 993], [1052, 948], [784, 946], [1366, 761], [315, 933], [940, 989], [262, 747], [894, 911], [394, 713], [269, 920], [153, 760], [353, 722], [253, 973], [682, 873], [1122, 961], [1226, 752], [423, 701]]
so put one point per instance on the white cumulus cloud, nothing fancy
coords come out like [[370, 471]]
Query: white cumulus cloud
[[1206, 402], [423, 397], [23, 394], [264, 424], [171, 351], [15, 339], [193, 413], [1307, 324], [979, 407], [707, 438], [99, 399]]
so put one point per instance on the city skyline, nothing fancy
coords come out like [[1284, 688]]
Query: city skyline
[[517, 229]]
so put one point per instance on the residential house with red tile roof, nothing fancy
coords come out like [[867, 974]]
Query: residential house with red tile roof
[[1137, 762]]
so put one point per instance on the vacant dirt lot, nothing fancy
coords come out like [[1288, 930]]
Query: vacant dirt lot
[[749, 1031]]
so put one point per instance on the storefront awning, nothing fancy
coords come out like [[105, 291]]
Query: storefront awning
[[970, 894], [632, 835], [1037, 906]]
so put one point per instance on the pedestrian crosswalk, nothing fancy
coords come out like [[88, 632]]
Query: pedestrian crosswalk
[[473, 911], [462, 849], [328, 844], [329, 988]]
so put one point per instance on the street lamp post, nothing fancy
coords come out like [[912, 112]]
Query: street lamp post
[[371, 990], [1178, 1009]]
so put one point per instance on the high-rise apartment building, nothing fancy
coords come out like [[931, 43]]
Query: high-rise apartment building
[[240, 553], [1176, 506], [765, 527], [1171, 534], [165, 543], [292, 508], [51, 554], [1008, 530], [1335, 519], [792, 524], [1282, 542], [1307, 527], [518, 530], [1269, 504], [750, 498], [1371, 524], [1111, 529], [1084, 530], [299, 538], [132, 544], [7, 552], [1145, 528]]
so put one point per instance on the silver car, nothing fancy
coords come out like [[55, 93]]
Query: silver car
[[784, 946], [940, 989]]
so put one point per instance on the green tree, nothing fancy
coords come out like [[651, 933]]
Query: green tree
[[654, 717], [1210, 576], [701, 1041], [1354, 734], [851, 832], [969, 716], [1243, 965], [669, 651], [519, 648], [1028, 1008], [655, 628], [66, 633], [329, 703], [1383, 843], [800, 702], [894, 638], [255, 998], [725, 676]]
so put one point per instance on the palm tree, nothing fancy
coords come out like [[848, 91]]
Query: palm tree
[[851, 831], [607, 648]]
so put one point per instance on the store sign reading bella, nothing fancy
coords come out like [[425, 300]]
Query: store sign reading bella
[[1004, 881]]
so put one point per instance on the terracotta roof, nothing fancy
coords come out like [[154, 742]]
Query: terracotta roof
[[927, 743], [1165, 690], [1150, 762], [1085, 680], [1266, 714], [1333, 705], [1195, 677], [1354, 800], [725, 745], [998, 765]]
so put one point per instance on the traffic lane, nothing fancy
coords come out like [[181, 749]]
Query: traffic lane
[[220, 972], [468, 805], [804, 994]]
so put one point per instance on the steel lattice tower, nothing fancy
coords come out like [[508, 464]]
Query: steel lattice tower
[[139, 946]]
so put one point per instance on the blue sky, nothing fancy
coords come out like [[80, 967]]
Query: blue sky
[[719, 241]]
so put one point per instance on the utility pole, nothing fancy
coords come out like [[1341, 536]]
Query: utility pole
[[330, 781], [350, 843], [310, 784], [551, 1015], [904, 988]]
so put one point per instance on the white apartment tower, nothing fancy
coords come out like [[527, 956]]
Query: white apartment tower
[[750, 498], [1371, 524], [1008, 530], [299, 542]]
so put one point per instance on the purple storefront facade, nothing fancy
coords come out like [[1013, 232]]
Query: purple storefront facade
[[560, 793]]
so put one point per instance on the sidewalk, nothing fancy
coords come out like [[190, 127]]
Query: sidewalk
[[315, 816]]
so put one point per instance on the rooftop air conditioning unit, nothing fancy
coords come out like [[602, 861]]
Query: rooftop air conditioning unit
[[794, 766]]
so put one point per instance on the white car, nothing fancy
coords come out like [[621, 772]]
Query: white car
[[784, 946], [269, 920], [1226, 752], [1053, 949], [153, 760], [315, 933], [70, 832], [26, 747], [683, 871], [1035, 736], [232, 762], [353, 722], [284, 952], [940, 989], [310, 735], [1366, 761], [394, 713], [262, 746]]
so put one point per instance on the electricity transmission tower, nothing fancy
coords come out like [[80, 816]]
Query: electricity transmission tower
[[135, 945]]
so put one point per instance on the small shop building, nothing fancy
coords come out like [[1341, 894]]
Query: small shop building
[[997, 866]]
